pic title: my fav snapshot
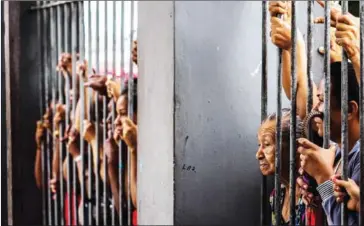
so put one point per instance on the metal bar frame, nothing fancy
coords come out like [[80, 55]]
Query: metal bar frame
[[52, 4], [293, 149], [263, 114], [361, 109]]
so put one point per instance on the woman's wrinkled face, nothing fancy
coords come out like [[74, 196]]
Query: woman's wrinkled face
[[266, 151]]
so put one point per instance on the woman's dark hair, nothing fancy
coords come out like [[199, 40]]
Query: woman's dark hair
[[125, 92]]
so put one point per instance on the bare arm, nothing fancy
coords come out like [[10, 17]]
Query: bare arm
[[302, 81], [38, 168]]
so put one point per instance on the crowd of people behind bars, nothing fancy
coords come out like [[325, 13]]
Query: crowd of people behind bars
[[120, 131], [320, 189]]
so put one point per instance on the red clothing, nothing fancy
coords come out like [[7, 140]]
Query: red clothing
[[66, 211], [135, 218]]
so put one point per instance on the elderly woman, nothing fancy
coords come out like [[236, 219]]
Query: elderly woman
[[266, 157]]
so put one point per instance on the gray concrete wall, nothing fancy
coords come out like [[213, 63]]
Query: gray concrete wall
[[217, 60]]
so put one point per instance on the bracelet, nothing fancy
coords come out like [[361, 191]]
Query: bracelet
[[78, 158]]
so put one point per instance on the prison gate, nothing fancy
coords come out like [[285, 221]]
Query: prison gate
[[199, 82]]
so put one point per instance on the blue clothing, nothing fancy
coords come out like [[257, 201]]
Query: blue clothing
[[326, 190]]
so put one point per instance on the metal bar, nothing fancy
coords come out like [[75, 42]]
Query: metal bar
[[292, 161], [130, 105], [104, 114], [309, 55], [278, 138], [51, 4], [53, 76], [327, 78], [74, 102], [60, 101], [121, 168], [361, 108], [309, 105], [67, 114], [344, 120], [90, 179], [82, 109], [263, 114], [97, 123], [46, 89], [113, 103], [41, 105]]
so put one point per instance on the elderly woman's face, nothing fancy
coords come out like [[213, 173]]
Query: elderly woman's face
[[266, 152]]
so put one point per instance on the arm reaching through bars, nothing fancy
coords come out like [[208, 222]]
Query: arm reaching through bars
[[281, 37], [39, 136], [347, 36]]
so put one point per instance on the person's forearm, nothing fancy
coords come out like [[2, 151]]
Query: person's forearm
[[133, 179], [112, 168], [355, 60], [55, 161], [301, 73], [38, 168]]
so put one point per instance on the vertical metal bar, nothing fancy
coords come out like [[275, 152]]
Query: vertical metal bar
[[113, 103], [121, 169], [309, 73], [82, 109], [53, 83], [46, 89], [130, 104], [60, 101], [292, 161], [344, 120], [361, 108], [74, 101], [67, 116], [89, 97], [327, 78], [41, 104], [309, 56], [277, 173], [263, 115], [97, 116], [104, 114]]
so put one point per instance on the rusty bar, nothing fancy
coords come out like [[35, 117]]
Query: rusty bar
[[327, 78], [344, 121], [263, 114], [361, 108], [278, 137], [292, 161]]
